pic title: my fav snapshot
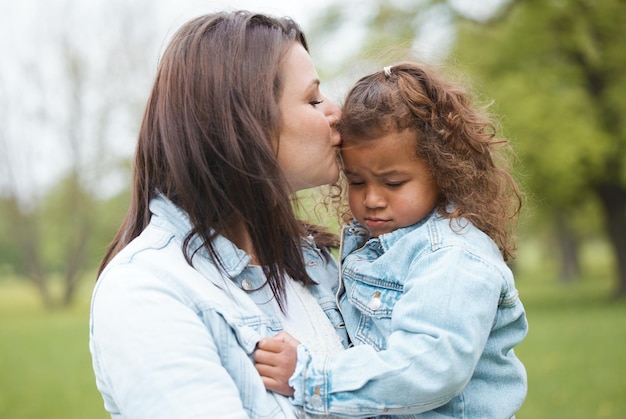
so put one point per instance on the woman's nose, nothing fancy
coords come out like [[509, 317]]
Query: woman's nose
[[332, 120], [333, 115], [333, 112]]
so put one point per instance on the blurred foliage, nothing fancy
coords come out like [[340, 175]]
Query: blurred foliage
[[555, 69], [55, 243], [555, 72], [65, 136]]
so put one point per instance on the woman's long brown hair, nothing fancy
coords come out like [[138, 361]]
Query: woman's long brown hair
[[208, 141]]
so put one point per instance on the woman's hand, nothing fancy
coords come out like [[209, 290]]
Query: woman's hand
[[276, 361]]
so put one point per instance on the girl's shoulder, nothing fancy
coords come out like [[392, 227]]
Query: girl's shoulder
[[437, 233]]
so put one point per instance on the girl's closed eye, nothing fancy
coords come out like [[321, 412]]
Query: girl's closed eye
[[354, 181], [395, 184]]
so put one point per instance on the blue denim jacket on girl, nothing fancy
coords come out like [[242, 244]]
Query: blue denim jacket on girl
[[434, 315], [168, 340]]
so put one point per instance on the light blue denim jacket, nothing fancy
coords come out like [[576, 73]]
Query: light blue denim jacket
[[434, 315], [173, 341]]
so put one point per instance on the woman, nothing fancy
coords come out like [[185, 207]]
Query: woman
[[210, 257]]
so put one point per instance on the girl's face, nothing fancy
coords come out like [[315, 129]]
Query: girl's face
[[388, 186], [308, 143]]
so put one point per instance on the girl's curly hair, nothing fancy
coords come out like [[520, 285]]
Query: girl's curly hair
[[454, 137]]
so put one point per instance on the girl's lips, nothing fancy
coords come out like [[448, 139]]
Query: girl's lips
[[375, 222]]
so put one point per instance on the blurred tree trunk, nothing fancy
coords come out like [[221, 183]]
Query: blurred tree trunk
[[78, 91], [568, 246], [80, 217], [613, 199], [24, 229]]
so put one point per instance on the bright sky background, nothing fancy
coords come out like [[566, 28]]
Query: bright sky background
[[31, 154], [33, 85]]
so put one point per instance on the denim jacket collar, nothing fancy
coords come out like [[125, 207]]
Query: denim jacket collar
[[355, 235], [165, 212]]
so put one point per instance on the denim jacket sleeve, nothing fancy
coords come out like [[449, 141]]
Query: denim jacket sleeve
[[182, 362], [439, 328], [168, 343]]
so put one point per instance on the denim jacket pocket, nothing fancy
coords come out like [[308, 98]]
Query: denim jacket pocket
[[374, 302]]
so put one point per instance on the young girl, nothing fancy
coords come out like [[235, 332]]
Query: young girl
[[428, 300]]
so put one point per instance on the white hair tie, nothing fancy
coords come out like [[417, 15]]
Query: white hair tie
[[387, 71]]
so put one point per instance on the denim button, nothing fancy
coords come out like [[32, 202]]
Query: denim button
[[246, 284], [374, 303], [316, 401]]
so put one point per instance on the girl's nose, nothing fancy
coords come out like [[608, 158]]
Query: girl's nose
[[374, 199]]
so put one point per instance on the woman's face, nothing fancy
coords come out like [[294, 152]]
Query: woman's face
[[308, 143]]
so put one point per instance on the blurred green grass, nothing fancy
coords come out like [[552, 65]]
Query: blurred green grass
[[575, 353], [45, 365]]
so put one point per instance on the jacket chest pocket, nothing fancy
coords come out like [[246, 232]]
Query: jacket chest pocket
[[374, 302]]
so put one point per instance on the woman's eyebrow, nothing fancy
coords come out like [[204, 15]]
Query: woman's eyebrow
[[313, 85]]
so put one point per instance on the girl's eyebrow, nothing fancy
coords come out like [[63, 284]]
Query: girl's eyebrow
[[391, 172], [388, 173]]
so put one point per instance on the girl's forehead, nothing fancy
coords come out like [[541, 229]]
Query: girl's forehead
[[381, 138]]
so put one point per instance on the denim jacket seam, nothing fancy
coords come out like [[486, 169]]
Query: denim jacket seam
[[164, 239], [200, 307], [504, 284], [113, 393], [507, 297], [434, 235]]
